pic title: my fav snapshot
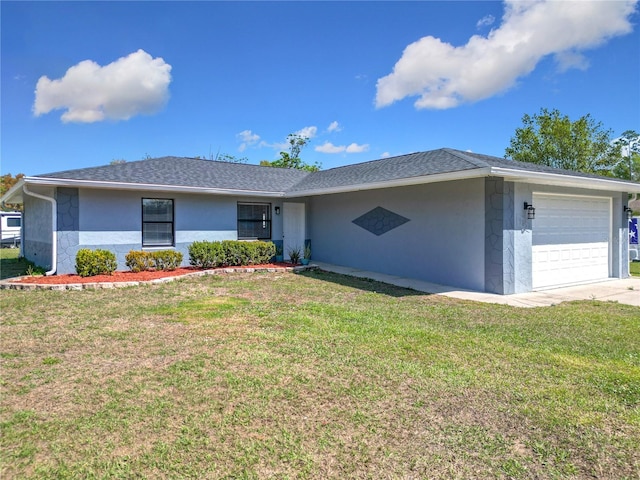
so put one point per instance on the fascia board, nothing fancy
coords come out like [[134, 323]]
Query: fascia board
[[15, 191], [65, 182], [402, 182], [566, 180]]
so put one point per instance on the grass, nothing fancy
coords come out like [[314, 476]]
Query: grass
[[634, 269], [10, 263], [313, 376]]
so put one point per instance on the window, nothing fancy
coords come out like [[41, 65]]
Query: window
[[254, 221], [157, 222], [13, 221]]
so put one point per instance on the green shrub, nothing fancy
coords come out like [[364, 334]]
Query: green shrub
[[140, 261], [264, 252], [235, 253], [294, 255], [167, 259], [206, 254], [95, 262]]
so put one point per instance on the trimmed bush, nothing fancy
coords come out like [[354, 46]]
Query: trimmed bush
[[235, 253], [205, 254], [140, 261], [231, 253], [167, 259], [95, 262], [264, 252]]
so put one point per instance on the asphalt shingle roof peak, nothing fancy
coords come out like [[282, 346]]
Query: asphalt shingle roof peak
[[189, 172], [205, 174]]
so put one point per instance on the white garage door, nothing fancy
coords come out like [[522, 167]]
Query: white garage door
[[571, 238]]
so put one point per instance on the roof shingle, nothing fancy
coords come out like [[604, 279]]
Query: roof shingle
[[189, 172], [207, 174]]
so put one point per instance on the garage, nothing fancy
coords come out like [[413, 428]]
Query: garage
[[571, 239]]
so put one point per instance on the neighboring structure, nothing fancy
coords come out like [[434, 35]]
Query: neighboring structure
[[444, 216], [634, 250], [10, 226]]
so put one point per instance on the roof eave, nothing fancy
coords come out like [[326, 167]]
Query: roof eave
[[14, 194], [565, 180], [401, 182], [66, 182]]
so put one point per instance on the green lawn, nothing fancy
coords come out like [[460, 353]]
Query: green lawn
[[634, 269], [313, 376], [10, 264]]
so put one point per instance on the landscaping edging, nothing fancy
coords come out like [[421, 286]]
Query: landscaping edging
[[13, 283]]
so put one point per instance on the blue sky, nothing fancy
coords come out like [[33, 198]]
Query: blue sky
[[85, 83]]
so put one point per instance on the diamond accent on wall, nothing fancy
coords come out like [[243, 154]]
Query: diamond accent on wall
[[380, 221]]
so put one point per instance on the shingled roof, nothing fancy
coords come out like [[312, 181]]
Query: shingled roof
[[417, 166], [189, 172], [421, 167]]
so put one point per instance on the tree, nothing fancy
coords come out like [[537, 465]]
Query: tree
[[629, 165], [291, 159], [550, 138], [225, 157], [9, 181]]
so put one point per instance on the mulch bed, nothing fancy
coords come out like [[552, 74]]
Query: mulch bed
[[118, 277]]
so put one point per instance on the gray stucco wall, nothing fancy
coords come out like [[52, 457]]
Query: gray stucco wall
[[499, 246], [442, 242], [37, 227], [112, 220], [68, 219]]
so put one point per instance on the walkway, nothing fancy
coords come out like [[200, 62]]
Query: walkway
[[626, 291]]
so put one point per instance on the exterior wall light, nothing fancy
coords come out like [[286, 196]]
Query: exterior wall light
[[531, 212], [277, 210], [628, 212]]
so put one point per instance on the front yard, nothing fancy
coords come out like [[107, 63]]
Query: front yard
[[313, 376]]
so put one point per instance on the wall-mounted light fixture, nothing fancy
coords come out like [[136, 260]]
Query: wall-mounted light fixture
[[531, 212], [628, 212], [277, 210]]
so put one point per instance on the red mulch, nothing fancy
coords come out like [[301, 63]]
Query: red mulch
[[125, 276]]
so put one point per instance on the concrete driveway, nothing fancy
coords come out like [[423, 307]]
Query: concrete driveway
[[626, 291]]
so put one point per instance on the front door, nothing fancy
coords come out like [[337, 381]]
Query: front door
[[293, 228]]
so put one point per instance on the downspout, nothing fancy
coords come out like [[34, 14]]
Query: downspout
[[54, 227]]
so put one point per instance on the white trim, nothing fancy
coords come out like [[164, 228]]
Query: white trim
[[507, 173], [15, 190], [147, 187], [54, 227], [108, 237], [187, 236], [555, 179], [402, 182]]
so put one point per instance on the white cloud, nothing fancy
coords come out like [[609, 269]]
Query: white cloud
[[385, 155], [132, 85], [308, 132], [334, 127], [355, 148], [444, 76], [569, 60], [486, 21], [247, 138], [328, 147]]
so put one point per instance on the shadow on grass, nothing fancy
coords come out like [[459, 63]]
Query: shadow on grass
[[10, 263], [360, 283]]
